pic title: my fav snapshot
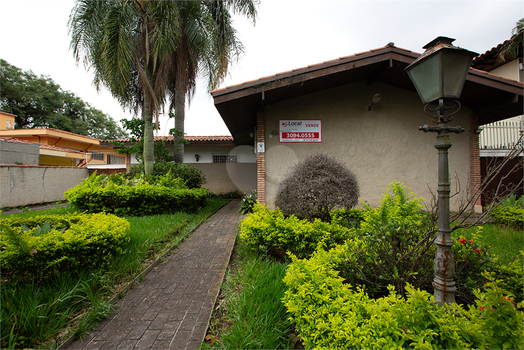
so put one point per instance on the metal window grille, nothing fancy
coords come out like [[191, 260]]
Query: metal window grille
[[225, 158], [97, 156]]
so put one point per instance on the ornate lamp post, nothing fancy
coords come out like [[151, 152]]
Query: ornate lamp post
[[439, 75]]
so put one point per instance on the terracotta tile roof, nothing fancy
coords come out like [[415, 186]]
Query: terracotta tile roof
[[55, 148], [12, 139], [493, 50], [313, 66], [188, 138]]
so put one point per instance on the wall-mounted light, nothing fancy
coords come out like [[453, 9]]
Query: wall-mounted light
[[374, 101], [197, 157]]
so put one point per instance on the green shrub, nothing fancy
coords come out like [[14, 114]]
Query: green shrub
[[248, 202], [329, 313], [192, 176], [351, 218], [398, 245], [509, 216], [85, 240], [95, 194], [270, 231]]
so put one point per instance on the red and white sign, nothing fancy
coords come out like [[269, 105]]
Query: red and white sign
[[300, 130]]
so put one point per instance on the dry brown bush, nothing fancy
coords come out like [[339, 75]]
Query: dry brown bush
[[315, 186]]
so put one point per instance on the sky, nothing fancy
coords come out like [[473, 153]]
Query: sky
[[288, 34]]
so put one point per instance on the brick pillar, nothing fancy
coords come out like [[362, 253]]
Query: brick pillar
[[261, 158], [476, 178]]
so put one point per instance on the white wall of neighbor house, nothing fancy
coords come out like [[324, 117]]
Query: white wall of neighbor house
[[244, 154], [511, 70], [224, 177], [380, 146]]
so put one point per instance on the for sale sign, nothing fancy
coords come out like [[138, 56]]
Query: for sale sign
[[300, 130]]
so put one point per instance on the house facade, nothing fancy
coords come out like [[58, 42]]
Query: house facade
[[328, 107]]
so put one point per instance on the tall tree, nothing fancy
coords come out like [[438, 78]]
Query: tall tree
[[207, 45], [38, 102], [129, 45], [514, 46]]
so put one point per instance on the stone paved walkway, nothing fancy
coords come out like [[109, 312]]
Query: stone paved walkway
[[171, 308]]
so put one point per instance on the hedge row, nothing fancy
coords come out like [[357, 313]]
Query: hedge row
[[330, 313], [69, 241], [144, 199]]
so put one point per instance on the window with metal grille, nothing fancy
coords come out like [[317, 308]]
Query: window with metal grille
[[225, 158], [97, 156]]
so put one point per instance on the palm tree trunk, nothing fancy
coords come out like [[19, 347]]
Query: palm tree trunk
[[149, 146], [180, 114]]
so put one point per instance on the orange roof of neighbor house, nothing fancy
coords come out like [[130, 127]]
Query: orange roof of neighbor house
[[193, 140], [490, 59], [491, 97], [51, 132], [41, 146]]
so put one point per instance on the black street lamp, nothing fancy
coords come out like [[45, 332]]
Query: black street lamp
[[439, 75]]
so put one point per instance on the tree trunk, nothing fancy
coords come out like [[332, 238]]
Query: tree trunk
[[180, 105], [149, 146]]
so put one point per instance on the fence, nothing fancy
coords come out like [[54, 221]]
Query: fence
[[500, 135]]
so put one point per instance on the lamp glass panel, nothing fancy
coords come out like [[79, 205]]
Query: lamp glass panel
[[426, 78], [455, 67]]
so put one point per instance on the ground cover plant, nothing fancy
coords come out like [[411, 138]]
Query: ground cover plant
[[40, 313], [249, 313], [139, 195]]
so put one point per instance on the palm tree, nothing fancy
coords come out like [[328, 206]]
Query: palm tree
[[511, 49], [129, 45], [207, 45]]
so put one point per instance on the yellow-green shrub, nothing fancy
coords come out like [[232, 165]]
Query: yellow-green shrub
[[270, 231], [329, 313], [88, 240], [140, 199]]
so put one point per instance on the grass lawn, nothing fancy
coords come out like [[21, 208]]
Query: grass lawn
[[249, 313], [42, 314], [505, 242]]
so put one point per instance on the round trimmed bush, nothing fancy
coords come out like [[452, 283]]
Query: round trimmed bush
[[315, 186]]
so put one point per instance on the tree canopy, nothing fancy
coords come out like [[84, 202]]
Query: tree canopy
[[39, 102]]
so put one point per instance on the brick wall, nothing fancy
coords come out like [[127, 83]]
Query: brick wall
[[475, 172], [261, 158]]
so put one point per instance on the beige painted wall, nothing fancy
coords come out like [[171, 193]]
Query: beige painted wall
[[509, 70], [24, 185], [379, 146], [226, 177]]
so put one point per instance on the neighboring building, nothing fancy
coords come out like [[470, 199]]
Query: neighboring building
[[63, 148], [227, 167], [33, 168], [499, 138], [331, 103]]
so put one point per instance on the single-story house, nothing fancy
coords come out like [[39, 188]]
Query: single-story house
[[334, 107]]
